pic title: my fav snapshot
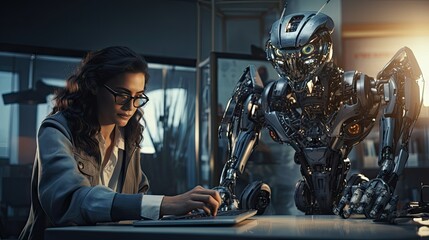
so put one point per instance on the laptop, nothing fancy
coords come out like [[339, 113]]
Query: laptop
[[222, 218]]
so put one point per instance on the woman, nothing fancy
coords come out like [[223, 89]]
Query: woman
[[87, 166]]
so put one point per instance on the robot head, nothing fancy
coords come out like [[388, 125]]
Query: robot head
[[300, 45]]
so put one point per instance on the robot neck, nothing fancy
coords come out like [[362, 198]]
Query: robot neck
[[299, 85]]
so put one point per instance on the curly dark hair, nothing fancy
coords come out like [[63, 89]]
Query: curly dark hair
[[78, 101]]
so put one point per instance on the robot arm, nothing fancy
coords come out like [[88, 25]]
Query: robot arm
[[241, 123], [401, 96], [397, 86]]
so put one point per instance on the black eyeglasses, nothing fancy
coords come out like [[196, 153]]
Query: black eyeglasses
[[122, 99]]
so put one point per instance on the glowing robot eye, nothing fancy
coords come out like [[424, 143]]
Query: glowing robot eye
[[308, 49]]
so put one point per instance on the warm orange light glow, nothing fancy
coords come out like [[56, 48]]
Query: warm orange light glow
[[421, 51], [354, 129]]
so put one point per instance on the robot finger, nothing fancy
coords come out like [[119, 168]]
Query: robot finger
[[355, 200], [391, 206], [380, 203], [342, 204], [344, 201], [365, 200]]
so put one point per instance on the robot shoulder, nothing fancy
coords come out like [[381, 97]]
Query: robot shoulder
[[274, 91], [359, 87]]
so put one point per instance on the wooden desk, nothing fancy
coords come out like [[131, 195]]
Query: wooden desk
[[259, 227]]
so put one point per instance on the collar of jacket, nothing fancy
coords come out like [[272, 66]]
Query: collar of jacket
[[91, 166]]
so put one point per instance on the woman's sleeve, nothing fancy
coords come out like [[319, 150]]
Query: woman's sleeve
[[65, 194]]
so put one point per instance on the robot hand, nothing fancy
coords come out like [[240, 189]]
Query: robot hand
[[256, 195], [229, 200], [374, 199]]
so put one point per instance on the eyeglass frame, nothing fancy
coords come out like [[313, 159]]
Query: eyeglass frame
[[115, 94]]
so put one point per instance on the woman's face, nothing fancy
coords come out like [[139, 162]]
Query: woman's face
[[109, 112]]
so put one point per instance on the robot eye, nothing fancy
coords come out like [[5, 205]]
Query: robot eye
[[308, 49]]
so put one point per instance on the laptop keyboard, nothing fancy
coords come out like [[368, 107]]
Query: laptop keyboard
[[196, 215]]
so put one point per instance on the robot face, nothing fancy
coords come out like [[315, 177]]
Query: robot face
[[300, 45]]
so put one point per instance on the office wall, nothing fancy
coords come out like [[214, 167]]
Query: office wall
[[160, 28], [385, 11], [152, 27], [375, 30]]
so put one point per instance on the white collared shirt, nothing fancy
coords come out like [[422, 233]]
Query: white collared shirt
[[109, 177]]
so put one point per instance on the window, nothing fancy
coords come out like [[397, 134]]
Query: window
[[169, 135], [7, 116], [45, 108]]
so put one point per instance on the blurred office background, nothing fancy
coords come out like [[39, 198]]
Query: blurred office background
[[196, 50]]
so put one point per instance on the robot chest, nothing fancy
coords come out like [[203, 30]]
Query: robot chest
[[298, 126], [315, 122], [309, 132], [310, 118], [315, 102]]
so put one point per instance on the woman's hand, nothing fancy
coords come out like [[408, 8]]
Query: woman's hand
[[197, 198]]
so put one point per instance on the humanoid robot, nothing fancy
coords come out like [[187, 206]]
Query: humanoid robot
[[322, 112]]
